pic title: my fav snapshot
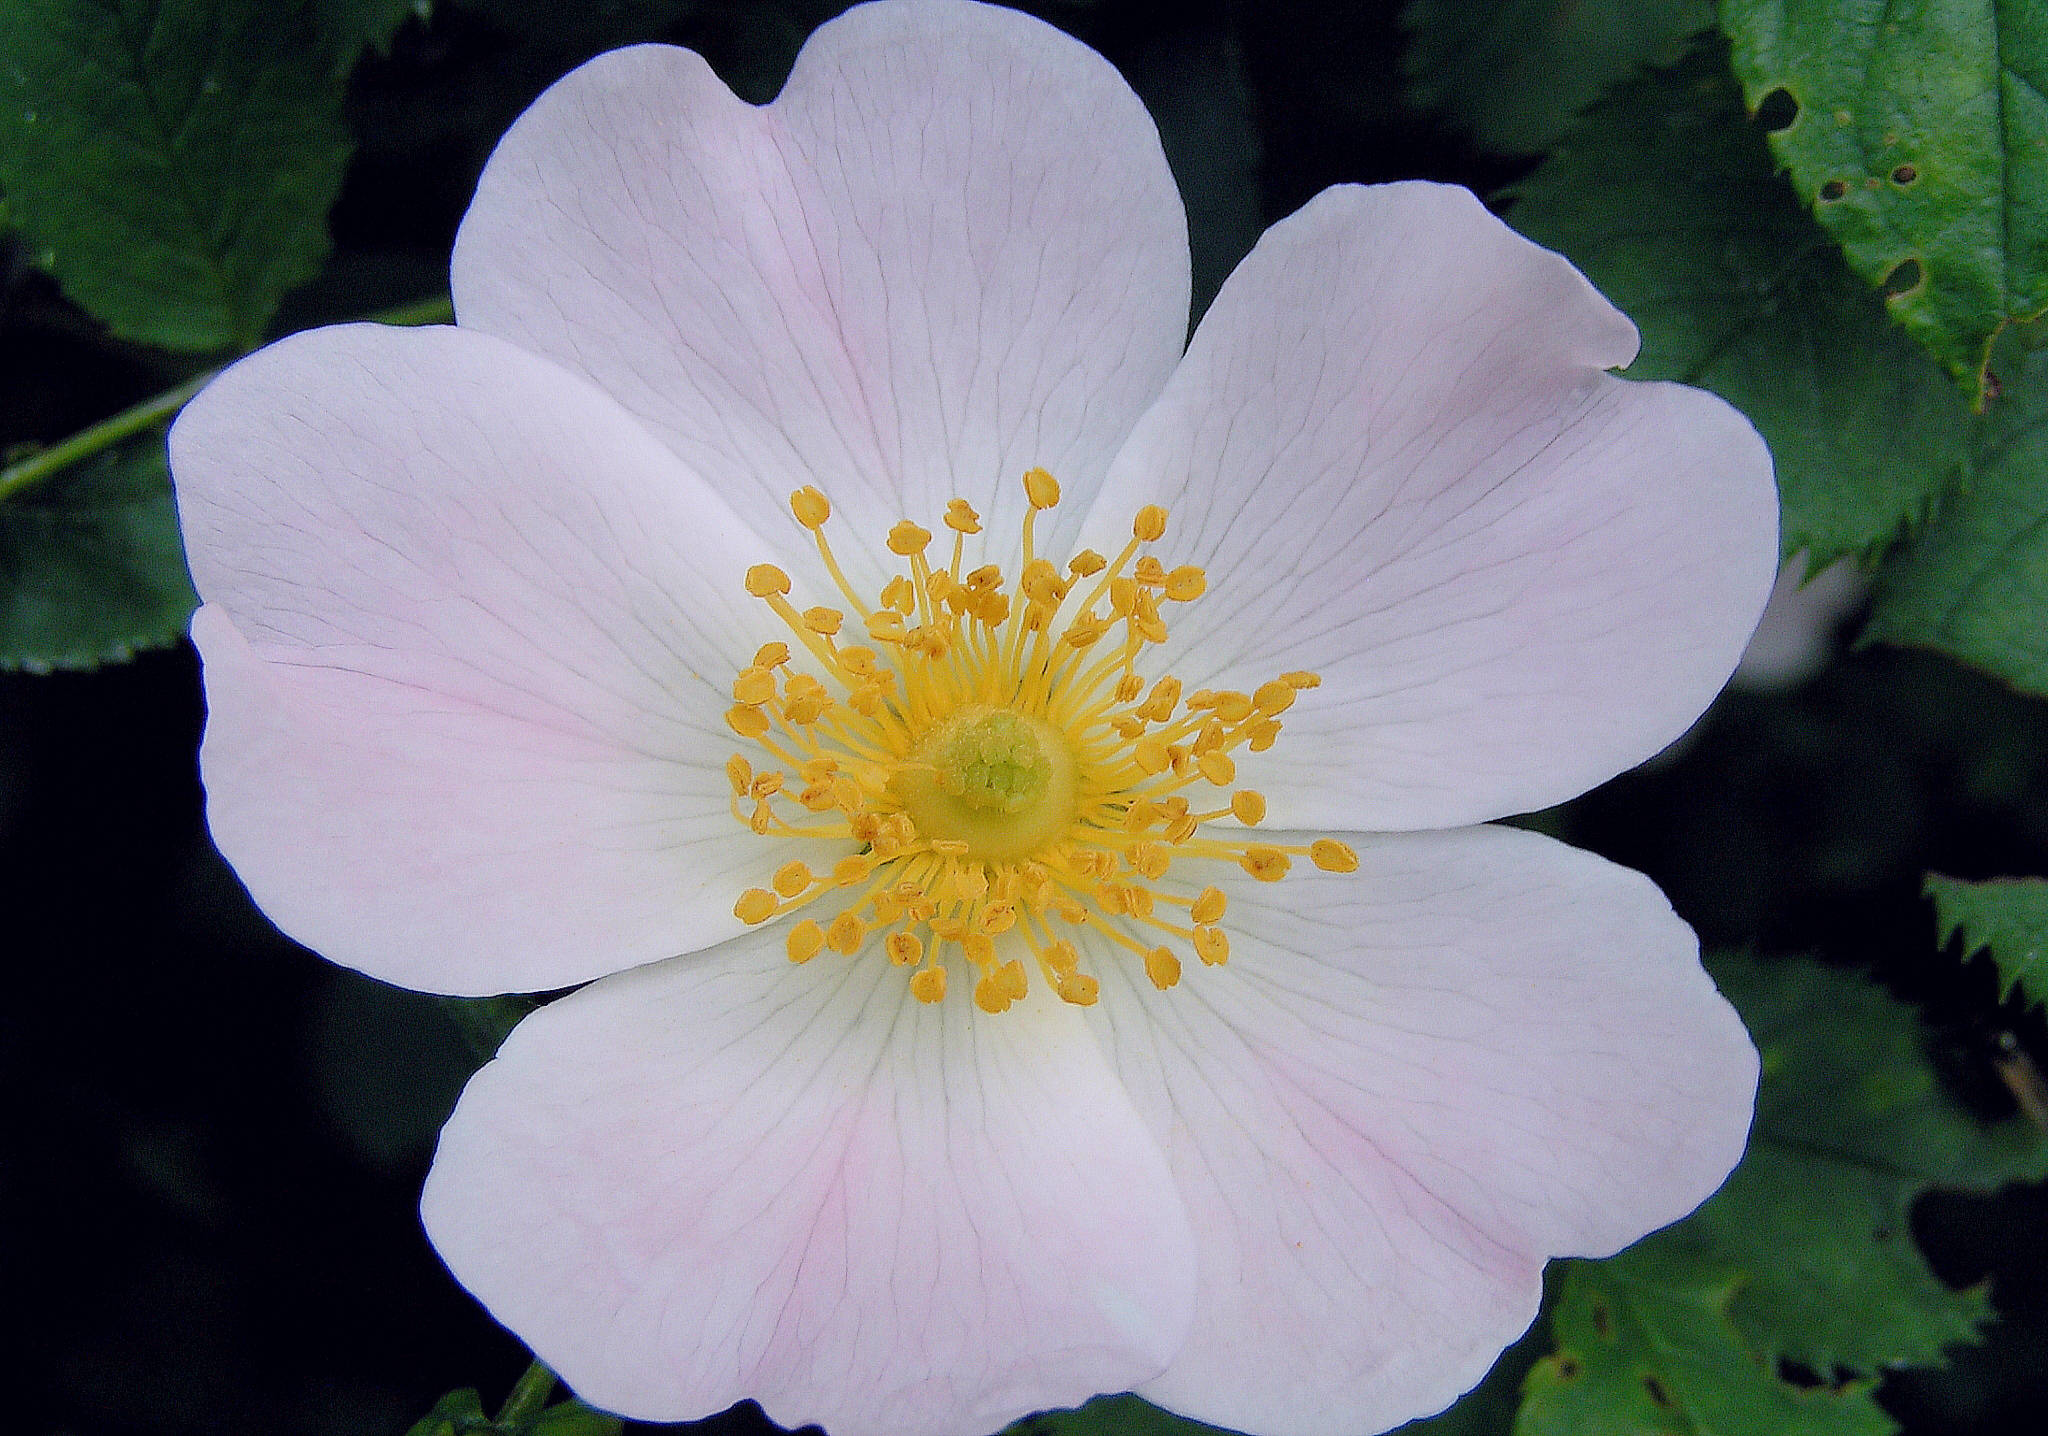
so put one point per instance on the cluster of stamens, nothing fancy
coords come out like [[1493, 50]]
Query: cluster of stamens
[[999, 764]]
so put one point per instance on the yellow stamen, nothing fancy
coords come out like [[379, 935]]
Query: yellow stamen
[[1002, 763]]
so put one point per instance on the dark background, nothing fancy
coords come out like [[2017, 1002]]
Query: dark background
[[213, 1140]]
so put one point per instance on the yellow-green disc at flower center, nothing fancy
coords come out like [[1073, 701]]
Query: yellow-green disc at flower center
[[1000, 781]]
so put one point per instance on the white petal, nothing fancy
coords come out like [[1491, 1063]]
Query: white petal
[[1408, 1087], [467, 639], [1394, 447], [950, 249], [727, 1177]]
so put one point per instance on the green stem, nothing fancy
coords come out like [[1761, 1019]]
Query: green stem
[[528, 1396], [45, 464]]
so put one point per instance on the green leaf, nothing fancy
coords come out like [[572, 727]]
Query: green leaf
[[1645, 1345], [456, 1414], [573, 1418], [1514, 72], [91, 568], [352, 26], [1806, 1254], [1921, 140], [1668, 200], [1975, 585], [172, 161], [2007, 915], [1111, 1416]]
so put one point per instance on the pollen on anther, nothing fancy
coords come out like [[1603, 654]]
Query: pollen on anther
[[1150, 523], [907, 538], [810, 506], [1248, 807], [928, 984], [755, 905], [1332, 856], [1162, 967], [1041, 488], [765, 580], [805, 941]]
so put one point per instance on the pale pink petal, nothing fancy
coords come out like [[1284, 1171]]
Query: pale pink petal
[[728, 1177], [951, 249], [468, 637], [1394, 446], [1796, 635], [1407, 1087]]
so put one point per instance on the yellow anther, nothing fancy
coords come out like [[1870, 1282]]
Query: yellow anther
[[1061, 958], [1149, 859], [1041, 488], [900, 594], [740, 774], [885, 625], [824, 621], [1149, 525], [1217, 766], [1186, 584], [1151, 755], [1162, 967], [1163, 699], [1123, 597], [1208, 905], [804, 711], [753, 687], [1233, 707], [989, 995], [860, 662], [1085, 632], [1275, 697], [998, 917], [1128, 687], [928, 984], [747, 722], [1011, 975], [1332, 856], [1149, 572], [765, 785], [1212, 945], [1181, 829], [756, 905], [1268, 865], [1263, 733], [817, 770], [1080, 989], [852, 870], [765, 580], [906, 949], [771, 655], [961, 518], [846, 933], [907, 538], [805, 941], [810, 506], [1300, 678], [761, 819], [1086, 564], [791, 879]]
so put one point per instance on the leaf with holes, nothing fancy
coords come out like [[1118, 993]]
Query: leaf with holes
[[91, 568], [1806, 1255], [172, 162], [1645, 1345], [1975, 585], [1666, 197], [1514, 72], [2009, 916], [1921, 140]]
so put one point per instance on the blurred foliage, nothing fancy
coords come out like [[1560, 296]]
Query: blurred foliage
[[1515, 73], [90, 564], [1919, 134]]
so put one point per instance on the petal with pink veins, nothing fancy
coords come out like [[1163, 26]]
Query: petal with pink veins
[[1407, 1087], [468, 639], [1396, 449], [727, 1177], [950, 250]]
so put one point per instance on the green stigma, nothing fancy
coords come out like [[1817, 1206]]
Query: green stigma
[[998, 780]]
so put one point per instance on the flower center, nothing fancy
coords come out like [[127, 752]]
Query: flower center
[[998, 780], [1003, 774]]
